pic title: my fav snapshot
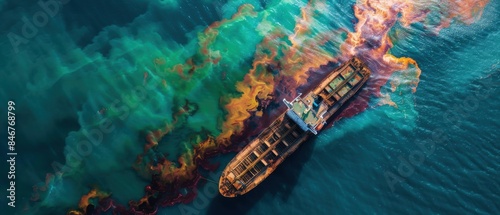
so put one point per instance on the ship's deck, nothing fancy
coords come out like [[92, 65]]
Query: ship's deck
[[305, 116], [268, 148]]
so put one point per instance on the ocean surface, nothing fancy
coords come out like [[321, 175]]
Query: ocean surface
[[137, 106]]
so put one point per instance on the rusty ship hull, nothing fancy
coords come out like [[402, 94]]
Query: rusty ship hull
[[306, 115]]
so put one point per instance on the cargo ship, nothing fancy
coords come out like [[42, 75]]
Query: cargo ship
[[306, 116]]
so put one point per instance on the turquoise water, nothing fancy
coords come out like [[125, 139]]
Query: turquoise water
[[100, 82]]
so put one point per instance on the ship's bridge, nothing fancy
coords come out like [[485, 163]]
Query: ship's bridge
[[307, 112], [310, 111]]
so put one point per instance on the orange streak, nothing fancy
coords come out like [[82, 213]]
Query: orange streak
[[205, 40], [258, 83], [84, 200], [303, 54]]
